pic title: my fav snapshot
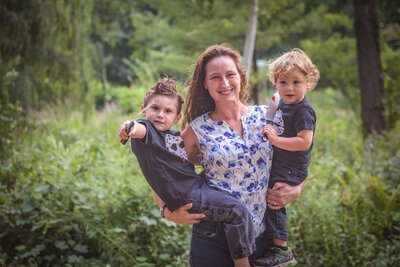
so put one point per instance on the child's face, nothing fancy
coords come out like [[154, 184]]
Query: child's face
[[292, 87], [163, 112]]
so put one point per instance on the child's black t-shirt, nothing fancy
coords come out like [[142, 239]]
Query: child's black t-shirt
[[288, 121], [163, 161]]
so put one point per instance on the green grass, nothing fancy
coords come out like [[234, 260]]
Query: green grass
[[72, 195]]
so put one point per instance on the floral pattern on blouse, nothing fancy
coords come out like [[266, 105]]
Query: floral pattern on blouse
[[239, 166]]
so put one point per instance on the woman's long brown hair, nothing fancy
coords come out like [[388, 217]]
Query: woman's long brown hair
[[198, 100]]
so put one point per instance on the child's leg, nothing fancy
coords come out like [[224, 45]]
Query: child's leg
[[280, 254], [279, 242], [279, 229], [221, 206], [243, 262], [275, 221]]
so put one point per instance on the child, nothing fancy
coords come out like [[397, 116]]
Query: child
[[162, 158], [292, 133]]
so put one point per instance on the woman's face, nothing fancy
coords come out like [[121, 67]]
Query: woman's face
[[222, 79]]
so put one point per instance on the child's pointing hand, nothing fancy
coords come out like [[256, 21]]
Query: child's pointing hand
[[122, 131]]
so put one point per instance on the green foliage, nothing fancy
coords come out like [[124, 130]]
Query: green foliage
[[10, 113], [47, 42], [129, 99], [391, 81], [348, 213], [53, 49], [169, 40], [78, 198], [71, 195], [336, 59]]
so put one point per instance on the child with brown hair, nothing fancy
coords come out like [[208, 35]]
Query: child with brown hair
[[291, 134]]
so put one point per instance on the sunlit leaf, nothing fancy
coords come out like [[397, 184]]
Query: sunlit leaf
[[42, 188], [61, 244], [81, 248], [73, 259]]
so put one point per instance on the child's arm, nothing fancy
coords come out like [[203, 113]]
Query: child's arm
[[138, 130], [301, 142], [122, 131]]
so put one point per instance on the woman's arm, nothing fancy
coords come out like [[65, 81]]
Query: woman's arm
[[181, 215], [192, 145], [281, 194]]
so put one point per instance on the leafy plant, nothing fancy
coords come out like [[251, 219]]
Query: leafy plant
[[77, 197], [348, 213]]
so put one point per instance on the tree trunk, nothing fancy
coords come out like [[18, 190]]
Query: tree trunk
[[369, 67], [250, 37], [255, 87]]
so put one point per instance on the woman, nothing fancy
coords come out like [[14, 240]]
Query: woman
[[224, 136]]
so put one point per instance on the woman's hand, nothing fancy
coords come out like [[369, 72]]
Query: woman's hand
[[281, 194], [181, 216]]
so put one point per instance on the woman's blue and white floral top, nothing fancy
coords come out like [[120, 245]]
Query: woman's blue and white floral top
[[239, 166]]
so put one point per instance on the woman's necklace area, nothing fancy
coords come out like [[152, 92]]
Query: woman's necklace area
[[221, 116]]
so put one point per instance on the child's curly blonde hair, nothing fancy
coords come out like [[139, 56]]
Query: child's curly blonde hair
[[286, 63]]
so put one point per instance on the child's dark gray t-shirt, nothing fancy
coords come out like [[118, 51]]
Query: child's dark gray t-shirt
[[163, 161], [288, 121]]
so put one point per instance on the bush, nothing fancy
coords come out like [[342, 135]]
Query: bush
[[128, 99], [348, 213], [391, 82], [71, 195], [79, 199]]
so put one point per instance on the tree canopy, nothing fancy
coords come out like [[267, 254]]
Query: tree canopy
[[52, 50], [72, 70]]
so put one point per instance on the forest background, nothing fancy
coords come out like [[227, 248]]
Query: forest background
[[72, 71]]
